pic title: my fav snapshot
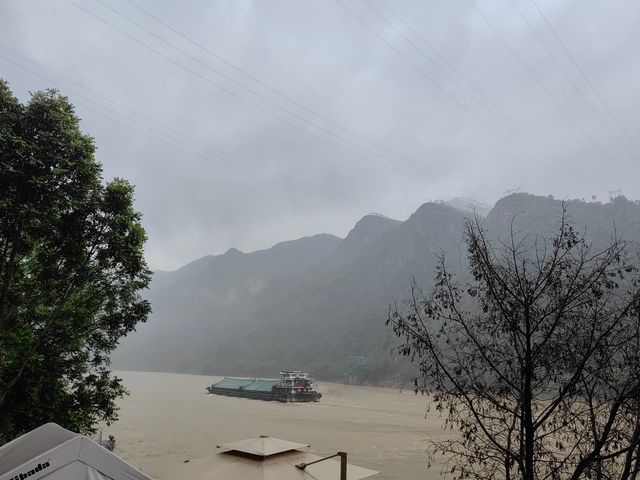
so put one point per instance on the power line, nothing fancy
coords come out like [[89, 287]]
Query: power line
[[238, 164], [256, 173], [272, 89], [532, 75], [145, 117], [585, 77], [437, 85], [471, 90], [562, 68], [502, 115], [273, 115], [233, 94]]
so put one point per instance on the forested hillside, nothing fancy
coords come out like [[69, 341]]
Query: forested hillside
[[310, 303]]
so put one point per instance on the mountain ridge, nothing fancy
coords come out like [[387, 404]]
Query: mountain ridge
[[310, 303]]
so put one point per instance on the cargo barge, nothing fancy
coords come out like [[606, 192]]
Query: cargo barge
[[293, 386]]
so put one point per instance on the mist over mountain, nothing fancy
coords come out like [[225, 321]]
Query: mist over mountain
[[469, 205], [310, 303]]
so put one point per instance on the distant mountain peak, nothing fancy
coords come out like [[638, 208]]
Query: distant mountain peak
[[375, 220], [366, 231], [372, 224], [233, 251], [433, 215], [429, 208]]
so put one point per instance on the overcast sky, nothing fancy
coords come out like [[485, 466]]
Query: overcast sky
[[245, 123]]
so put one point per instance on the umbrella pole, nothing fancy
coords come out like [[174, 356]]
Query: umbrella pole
[[343, 464]]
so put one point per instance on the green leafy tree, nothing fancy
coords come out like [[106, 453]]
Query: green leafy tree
[[71, 269], [535, 360]]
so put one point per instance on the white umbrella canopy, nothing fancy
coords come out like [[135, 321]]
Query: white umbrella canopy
[[32, 445], [50, 452], [239, 463]]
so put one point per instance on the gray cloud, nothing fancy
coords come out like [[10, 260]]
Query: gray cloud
[[453, 135]]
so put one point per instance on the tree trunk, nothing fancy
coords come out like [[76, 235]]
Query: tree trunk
[[527, 400]]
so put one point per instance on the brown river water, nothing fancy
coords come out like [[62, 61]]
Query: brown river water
[[169, 418]]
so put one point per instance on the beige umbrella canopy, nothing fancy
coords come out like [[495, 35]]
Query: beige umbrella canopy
[[265, 458], [262, 446]]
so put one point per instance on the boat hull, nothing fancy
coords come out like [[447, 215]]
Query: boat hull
[[276, 395]]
